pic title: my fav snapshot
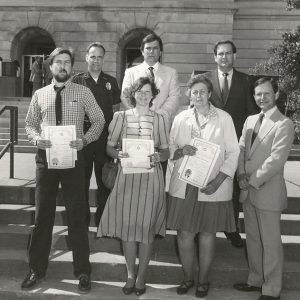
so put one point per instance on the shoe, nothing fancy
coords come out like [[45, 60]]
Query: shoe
[[129, 290], [245, 287], [235, 238], [84, 285], [31, 280], [265, 297], [184, 287], [139, 292], [202, 290]]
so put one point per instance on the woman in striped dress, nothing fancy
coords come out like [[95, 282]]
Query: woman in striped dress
[[136, 208]]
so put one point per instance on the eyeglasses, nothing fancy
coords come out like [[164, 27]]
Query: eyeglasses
[[152, 49], [143, 93], [199, 93], [62, 62]]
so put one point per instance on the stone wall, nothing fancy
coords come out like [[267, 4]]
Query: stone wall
[[188, 28]]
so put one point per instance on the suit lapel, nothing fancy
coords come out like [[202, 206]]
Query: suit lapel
[[265, 129], [233, 84], [159, 75], [216, 89]]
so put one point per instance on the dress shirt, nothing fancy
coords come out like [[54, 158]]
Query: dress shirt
[[221, 78], [77, 101]]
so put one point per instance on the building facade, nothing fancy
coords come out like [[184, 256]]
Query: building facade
[[188, 28]]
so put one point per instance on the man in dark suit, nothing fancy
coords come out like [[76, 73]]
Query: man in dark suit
[[231, 92]]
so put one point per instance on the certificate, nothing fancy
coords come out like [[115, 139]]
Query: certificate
[[196, 169], [138, 160], [61, 155]]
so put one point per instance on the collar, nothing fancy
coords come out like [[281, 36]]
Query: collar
[[269, 112], [67, 83], [220, 73], [88, 75], [155, 67], [211, 114]]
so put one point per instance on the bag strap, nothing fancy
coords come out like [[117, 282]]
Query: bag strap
[[121, 131]]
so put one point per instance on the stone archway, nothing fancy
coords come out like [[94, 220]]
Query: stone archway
[[27, 43], [129, 52]]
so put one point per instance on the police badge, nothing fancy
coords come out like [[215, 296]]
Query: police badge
[[108, 86]]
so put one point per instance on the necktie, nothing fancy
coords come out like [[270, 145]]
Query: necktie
[[58, 107], [225, 88], [151, 73], [256, 128]]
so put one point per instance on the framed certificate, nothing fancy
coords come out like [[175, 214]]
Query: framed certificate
[[61, 155], [196, 169], [138, 160]]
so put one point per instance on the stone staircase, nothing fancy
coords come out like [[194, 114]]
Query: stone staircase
[[108, 266]]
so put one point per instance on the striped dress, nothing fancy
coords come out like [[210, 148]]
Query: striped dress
[[136, 208]]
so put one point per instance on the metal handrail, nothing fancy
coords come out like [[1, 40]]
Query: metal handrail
[[13, 135]]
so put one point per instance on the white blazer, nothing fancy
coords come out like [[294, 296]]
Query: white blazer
[[219, 130]]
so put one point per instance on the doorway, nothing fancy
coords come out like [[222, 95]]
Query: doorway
[[129, 53], [28, 43]]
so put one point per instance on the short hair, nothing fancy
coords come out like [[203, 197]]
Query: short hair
[[95, 44], [223, 43], [151, 38], [59, 51], [200, 78], [263, 80], [137, 85]]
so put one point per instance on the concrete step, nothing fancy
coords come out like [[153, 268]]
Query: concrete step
[[4, 130], [23, 149], [21, 142], [6, 135]]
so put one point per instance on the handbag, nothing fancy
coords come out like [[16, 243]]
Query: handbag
[[109, 173], [110, 168]]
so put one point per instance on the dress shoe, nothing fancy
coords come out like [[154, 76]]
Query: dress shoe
[[202, 290], [235, 238], [31, 280], [184, 287], [265, 297], [139, 292], [245, 287], [127, 290], [84, 285]]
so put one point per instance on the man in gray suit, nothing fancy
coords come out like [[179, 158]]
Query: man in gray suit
[[165, 78], [231, 92], [265, 145]]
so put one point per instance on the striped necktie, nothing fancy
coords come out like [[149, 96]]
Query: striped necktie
[[58, 106], [256, 128], [151, 73]]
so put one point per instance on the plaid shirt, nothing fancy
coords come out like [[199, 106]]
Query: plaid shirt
[[77, 101]]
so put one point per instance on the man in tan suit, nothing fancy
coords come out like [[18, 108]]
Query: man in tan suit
[[265, 145], [165, 78]]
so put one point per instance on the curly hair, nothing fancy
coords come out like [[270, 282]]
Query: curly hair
[[200, 78], [136, 86]]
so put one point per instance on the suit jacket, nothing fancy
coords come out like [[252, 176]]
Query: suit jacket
[[264, 161], [239, 103], [166, 79]]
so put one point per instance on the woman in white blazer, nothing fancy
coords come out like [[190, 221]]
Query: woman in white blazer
[[201, 211]]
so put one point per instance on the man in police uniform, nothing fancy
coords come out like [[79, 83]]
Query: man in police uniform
[[106, 91]]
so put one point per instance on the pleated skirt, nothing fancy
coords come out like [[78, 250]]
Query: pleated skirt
[[195, 216], [136, 208]]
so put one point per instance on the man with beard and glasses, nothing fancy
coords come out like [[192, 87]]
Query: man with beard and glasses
[[61, 103], [107, 94]]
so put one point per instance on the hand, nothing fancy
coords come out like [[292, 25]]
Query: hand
[[122, 154], [213, 185], [154, 158], [244, 182], [43, 144], [189, 150], [77, 144]]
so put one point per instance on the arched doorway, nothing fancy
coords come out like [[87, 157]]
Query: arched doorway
[[129, 53], [27, 44]]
